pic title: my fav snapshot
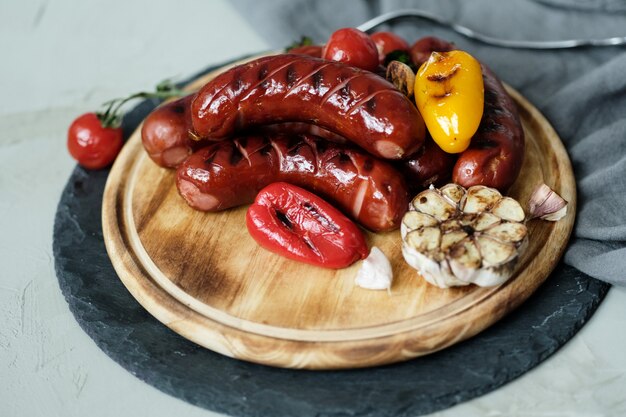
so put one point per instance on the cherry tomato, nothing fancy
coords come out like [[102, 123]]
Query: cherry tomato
[[388, 42], [299, 225], [352, 47], [91, 144], [421, 50], [310, 50]]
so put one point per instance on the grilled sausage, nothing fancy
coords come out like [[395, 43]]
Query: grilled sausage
[[429, 165], [496, 152], [165, 133], [230, 173], [355, 104]]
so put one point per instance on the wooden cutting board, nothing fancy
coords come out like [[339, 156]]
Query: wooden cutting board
[[204, 277]]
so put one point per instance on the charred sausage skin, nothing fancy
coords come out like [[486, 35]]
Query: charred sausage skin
[[355, 104], [496, 153], [230, 173]]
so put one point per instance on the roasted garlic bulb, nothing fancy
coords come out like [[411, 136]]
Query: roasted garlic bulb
[[456, 237]]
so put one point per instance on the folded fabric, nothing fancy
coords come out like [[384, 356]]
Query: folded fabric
[[582, 92]]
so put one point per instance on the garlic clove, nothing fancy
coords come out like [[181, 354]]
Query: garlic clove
[[556, 216], [450, 239], [480, 198], [508, 232], [546, 204], [432, 203], [375, 272], [494, 252], [454, 192], [425, 239], [414, 220], [509, 209], [485, 220]]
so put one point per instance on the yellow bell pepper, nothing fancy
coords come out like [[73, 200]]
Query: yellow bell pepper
[[449, 93]]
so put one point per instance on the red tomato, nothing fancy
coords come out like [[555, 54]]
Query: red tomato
[[310, 50], [388, 42], [353, 47], [421, 50], [91, 144], [299, 225]]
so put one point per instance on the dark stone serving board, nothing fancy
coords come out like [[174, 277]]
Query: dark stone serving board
[[145, 347]]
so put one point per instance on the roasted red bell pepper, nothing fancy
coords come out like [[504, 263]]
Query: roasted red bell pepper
[[299, 225]]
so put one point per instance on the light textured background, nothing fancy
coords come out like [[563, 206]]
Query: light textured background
[[60, 59]]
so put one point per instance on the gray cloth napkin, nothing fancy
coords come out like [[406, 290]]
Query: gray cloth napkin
[[582, 92]]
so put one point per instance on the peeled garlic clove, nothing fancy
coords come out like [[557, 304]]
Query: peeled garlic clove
[[450, 239], [375, 272], [425, 239], [508, 209], [414, 220], [508, 232], [546, 204], [485, 221], [466, 254], [495, 252], [480, 198], [432, 203], [454, 192]]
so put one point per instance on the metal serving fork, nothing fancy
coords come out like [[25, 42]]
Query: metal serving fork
[[404, 14]]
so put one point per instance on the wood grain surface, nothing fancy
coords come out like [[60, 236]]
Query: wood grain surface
[[203, 276]]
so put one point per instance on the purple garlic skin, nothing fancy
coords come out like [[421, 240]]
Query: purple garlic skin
[[546, 204]]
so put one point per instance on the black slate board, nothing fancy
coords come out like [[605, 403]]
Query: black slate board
[[130, 336]]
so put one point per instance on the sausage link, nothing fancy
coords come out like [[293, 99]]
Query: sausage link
[[356, 104], [429, 165], [230, 173], [496, 152], [165, 133]]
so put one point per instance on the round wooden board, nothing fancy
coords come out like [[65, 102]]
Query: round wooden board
[[203, 276]]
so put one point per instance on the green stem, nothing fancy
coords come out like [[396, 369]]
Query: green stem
[[111, 116]]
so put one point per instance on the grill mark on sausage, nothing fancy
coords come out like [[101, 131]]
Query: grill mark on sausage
[[241, 147], [291, 76], [345, 90], [279, 153], [316, 78], [343, 157], [355, 107], [235, 156], [266, 149], [262, 73], [237, 82], [337, 88], [265, 81], [209, 161], [321, 146], [368, 165]]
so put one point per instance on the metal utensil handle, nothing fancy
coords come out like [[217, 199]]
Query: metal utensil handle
[[469, 33]]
